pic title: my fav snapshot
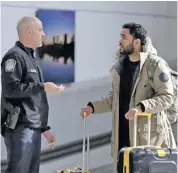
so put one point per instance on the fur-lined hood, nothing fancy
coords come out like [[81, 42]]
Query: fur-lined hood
[[149, 48]]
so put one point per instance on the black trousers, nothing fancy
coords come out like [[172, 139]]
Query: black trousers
[[23, 149], [123, 139], [123, 131]]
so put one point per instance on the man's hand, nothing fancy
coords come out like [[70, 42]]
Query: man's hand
[[86, 111], [131, 114], [50, 138], [50, 87]]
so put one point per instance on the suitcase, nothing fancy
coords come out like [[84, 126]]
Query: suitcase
[[85, 155], [146, 159]]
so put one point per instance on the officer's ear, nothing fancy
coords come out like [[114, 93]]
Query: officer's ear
[[29, 31]]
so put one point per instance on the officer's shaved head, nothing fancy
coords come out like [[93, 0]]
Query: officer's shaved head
[[30, 31], [24, 23]]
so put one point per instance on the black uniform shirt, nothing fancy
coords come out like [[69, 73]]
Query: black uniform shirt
[[22, 85]]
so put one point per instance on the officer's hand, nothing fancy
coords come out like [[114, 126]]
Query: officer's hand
[[131, 114], [50, 138], [50, 87], [86, 111]]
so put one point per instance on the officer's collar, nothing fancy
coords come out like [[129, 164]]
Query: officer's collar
[[30, 50]]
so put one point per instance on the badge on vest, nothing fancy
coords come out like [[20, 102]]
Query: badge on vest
[[10, 65], [33, 71]]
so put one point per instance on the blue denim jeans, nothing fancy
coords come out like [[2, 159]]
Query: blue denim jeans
[[23, 149]]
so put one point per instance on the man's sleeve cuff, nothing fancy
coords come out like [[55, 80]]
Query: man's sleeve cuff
[[91, 105], [142, 107]]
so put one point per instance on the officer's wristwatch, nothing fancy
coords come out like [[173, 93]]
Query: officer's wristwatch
[[45, 129]]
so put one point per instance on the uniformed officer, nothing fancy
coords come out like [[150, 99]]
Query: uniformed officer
[[23, 89]]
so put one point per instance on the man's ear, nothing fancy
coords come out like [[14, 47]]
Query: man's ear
[[138, 42]]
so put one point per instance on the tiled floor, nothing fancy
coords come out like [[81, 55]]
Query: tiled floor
[[104, 169]]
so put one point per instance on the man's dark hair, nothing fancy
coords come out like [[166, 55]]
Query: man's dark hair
[[137, 31]]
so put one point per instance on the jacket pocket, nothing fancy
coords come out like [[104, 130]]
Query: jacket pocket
[[143, 124], [156, 138], [156, 123], [33, 76]]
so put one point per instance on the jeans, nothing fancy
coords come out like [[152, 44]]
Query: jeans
[[23, 149]]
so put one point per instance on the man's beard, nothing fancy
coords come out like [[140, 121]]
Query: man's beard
[[128, 50]]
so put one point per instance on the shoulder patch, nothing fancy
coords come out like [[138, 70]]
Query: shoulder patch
[[10, 65], [163, 77]]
